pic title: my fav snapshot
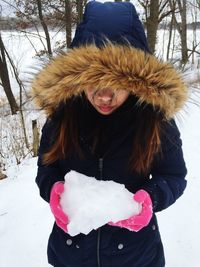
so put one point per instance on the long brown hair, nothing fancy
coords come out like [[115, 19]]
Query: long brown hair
[[65, 134], [146, 141]]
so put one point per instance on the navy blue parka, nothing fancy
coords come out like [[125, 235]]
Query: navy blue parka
[[153, 85]]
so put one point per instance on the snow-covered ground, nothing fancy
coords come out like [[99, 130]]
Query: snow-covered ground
[[180, 223], [25, 220]]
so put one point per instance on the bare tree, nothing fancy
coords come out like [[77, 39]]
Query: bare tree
[[198, 4], [45, 28], [180, 7], [36, 138], [5, 80], [171, 27], [195, 44], [62, 14], [79, 9], [2, 175], [155, 12], [68, 21], [21, 89], [182, 28], [152, 24]]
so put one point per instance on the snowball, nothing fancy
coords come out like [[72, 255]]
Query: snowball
[[90, 203]]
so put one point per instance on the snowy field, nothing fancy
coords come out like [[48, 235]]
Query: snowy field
[[26, 220]]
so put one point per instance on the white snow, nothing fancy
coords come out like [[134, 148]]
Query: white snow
[[25, 220], [90, 203]]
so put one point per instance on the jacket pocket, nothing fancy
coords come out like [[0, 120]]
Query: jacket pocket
[[131, 249], [64, 249]]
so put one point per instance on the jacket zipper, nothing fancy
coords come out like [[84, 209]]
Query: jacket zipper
[[99, 230]]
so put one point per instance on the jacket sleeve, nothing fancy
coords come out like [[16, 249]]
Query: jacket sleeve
[[47, 175], [167, 181]]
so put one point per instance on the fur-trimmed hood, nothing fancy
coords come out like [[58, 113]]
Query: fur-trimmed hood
[[113, 66]]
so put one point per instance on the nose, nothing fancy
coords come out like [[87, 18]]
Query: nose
[[105, 95]]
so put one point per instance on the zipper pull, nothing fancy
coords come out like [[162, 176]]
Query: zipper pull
[[101, 168], [100, 164]]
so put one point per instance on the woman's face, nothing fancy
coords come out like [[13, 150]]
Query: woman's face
[[107, 100]]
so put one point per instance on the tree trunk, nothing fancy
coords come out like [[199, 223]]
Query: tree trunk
[[21, 88], [171, 26], [35, 138], [79, 8], [39, 5], [152, 24], [4, 75], [182, 28], [194, 43], [68, 21], [2, 175], [183, 32]]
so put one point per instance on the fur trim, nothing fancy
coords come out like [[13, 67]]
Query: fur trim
[[113, 66]]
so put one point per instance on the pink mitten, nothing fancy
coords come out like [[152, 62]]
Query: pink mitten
[[137, 222], [60, 217]]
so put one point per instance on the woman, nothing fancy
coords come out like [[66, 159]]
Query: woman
[[110, 106]]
